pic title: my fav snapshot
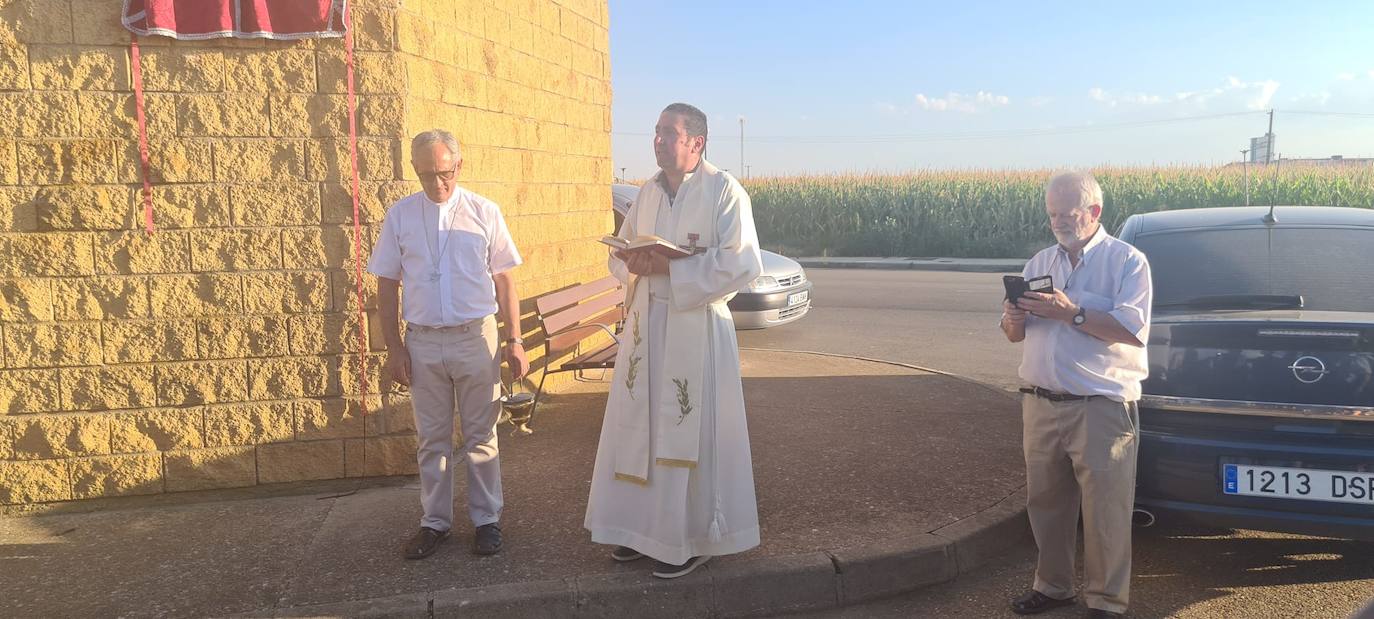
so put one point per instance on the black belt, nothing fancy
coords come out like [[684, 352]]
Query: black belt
[[1054, 396]]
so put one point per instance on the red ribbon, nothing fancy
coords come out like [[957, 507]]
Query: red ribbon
[[357, 214], [142, 134]]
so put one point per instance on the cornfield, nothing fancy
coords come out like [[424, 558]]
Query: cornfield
[[1000, 214]]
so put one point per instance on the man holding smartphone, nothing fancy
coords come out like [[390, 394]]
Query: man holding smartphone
[[1083, 358]]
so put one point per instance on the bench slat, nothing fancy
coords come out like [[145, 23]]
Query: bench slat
[[554, 301], [578, 313], [596, 359], [570, 338]]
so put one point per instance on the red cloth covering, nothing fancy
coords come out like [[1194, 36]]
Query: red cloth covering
[[243, 19]]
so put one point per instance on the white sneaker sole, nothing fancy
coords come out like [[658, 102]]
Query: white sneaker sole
[[625, 559], [686, 569]]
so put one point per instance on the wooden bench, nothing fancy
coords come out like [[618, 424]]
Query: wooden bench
[[569, 317]]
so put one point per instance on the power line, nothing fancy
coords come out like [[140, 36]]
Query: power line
[[1006, 133]]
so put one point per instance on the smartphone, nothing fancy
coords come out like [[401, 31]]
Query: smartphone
[[1017, 286]]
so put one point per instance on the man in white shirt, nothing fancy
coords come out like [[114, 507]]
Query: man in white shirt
[[451, 250], [1084, 358]]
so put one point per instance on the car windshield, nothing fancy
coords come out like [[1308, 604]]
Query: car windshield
[[1257, 268]]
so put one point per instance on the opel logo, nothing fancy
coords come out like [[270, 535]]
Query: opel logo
[[1308, 370]]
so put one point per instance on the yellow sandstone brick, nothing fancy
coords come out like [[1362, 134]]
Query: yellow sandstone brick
[[105, 30], [337, 202], [97, 298], [259, 160], [136, 252], [85, 207], [163, 429], [34, 482], [276, 204], [318, 248], [35, 21], [113, 115], [346, 294], [289, 377], [14, 67], [177, 296], [63, 67], [285, 292], [9, 167], [316, 334], [143, 341], [380, 115], [374, 29], [207, 382], [25, 300], [327, 419], [104, 388], [189, 206], [43, 437], [349, 378], [178, 69], [284, 462], [299, 116], [18, 211], [39, 115], [37, 345], [245, 336], [236, 250], [58, 162], [204, 469], [289, 70], [222, 115], [374, 72], [386, 455], [28, 391], [248, 424], [378, 159], [125, 475]]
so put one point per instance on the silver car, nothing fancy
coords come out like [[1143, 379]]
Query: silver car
[[781, 294]]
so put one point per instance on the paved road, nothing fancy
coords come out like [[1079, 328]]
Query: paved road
[[946, 321]]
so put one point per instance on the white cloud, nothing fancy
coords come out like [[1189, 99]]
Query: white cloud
[[1371, 74], [956, 102], [1231, 94], [1345, 76]]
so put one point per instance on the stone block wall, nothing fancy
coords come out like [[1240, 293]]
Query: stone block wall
[[221, 350]]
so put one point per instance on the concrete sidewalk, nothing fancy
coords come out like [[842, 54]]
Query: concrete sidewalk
[[977, 265], [873, 479]]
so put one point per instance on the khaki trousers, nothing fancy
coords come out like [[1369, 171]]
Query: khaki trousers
[[1082, 454], [456, 370]]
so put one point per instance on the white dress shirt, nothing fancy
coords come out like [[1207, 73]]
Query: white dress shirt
[[444, 255], [1112, 277]]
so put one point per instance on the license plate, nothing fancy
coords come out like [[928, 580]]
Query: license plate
[[798, 297], [1293, 483]]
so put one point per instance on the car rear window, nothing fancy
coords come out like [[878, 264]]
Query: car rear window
[[1332, 268]]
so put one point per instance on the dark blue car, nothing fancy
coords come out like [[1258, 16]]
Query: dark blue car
[[1259, 409]]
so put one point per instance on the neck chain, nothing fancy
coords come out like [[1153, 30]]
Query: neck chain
[[443, 248]]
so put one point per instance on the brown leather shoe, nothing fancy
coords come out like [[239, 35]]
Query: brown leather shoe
[[424, 543], [488, 539]]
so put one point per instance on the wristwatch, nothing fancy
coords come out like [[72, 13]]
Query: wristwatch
[[1081, 317], [515, 340]]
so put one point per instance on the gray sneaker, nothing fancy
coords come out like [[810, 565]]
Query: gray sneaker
[[668, 570]]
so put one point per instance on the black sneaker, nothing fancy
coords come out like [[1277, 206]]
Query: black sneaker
[[668, 570], [625, 553], [424, 543], [488, 539]]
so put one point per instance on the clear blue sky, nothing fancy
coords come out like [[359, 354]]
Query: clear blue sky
[[868, 86]]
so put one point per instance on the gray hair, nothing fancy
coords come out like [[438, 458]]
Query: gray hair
[[435, 136], [1081, 184], [693, 119]]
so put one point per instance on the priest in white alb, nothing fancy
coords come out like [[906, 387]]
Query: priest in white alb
[[674, 479]]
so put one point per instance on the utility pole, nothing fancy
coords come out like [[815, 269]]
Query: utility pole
[[1269, 139], [746, 171], [622, 175], [741, 145], [1245, 165]]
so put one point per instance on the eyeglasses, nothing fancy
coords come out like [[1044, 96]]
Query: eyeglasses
[[446, 175]]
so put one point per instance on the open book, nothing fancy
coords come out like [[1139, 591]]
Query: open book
[[648, 243]]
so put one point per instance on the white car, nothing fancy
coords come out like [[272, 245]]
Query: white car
[[781, 294]]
